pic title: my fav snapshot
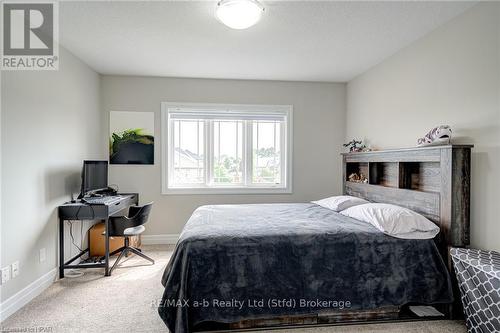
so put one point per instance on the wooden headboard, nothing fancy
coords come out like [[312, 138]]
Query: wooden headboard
[[433, 181]]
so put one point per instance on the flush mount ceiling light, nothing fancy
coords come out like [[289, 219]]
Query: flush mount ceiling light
[[239, 14]]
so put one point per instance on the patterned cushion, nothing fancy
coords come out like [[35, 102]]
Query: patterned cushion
[[478, 275]]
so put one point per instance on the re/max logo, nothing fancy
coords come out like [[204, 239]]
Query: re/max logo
[[173, 303]]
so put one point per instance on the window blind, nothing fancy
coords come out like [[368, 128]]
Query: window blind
[[226, 115]]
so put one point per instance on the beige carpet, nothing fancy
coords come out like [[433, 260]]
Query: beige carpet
[[125, 301]]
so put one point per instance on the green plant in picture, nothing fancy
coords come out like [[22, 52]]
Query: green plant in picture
[[129, 136], [130, 142]]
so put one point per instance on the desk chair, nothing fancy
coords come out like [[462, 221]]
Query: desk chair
[[127, 226]]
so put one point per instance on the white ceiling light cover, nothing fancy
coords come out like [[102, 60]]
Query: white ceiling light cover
[[239, 14]]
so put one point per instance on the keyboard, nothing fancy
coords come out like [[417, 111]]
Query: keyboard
[[109, 200]]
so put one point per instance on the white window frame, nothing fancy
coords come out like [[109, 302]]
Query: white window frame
[[167, 160]]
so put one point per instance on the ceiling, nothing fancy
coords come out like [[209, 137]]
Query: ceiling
[[294, 41]]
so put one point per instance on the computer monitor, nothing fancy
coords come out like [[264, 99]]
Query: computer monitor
[[94, 176]]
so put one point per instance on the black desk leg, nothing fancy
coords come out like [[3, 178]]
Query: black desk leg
[[61, 248], [106, 253]]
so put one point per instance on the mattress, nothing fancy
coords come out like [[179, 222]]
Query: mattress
[[236, 262]]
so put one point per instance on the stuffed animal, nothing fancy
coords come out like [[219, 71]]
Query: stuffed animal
[[440, 135]]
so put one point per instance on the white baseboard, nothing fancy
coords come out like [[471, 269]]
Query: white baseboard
[[159, 239], [24, 296]]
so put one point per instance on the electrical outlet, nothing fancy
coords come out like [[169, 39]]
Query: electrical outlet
[[15, 269], [5, 274], [43, 255]]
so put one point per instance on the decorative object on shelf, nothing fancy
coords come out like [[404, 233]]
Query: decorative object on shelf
[[131, 137], [356, 146], [478, 275], [440, 135], [361, 178]]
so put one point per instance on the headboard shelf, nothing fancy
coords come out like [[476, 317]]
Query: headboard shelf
[[417, 176], [433, 181]]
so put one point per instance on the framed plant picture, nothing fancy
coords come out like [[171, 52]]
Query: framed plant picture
[[131, 137]]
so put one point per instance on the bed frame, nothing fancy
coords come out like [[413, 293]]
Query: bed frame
[[433, 181]]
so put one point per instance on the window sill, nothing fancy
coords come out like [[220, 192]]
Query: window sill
[[241, 190]]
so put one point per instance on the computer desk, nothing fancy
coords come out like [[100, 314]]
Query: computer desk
[[81, 211]]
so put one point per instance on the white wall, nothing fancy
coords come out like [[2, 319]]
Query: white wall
[[318, 117], [51, 121], [451, 76]]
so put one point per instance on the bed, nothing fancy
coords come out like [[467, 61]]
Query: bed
[[236, 263], [317, 258]]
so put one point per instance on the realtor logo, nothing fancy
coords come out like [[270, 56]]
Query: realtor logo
[[30, 36]]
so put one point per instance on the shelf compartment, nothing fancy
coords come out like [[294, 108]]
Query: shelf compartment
[[357, 168], [384, 174], [423, 176]]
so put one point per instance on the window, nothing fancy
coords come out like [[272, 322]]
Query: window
[[226, 148]]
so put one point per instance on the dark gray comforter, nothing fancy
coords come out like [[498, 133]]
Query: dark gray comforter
[[236, 262]]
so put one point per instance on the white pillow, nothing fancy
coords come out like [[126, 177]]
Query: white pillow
[[340, 202], [394, 220]]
